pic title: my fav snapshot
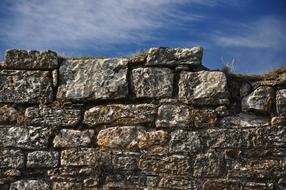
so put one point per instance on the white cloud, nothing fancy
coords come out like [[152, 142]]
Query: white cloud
[[268, 32]]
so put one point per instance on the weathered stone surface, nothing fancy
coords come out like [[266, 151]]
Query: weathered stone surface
[[259, 100], [39, 159], [127, 182], [24, 137], [29, 185], [149, 139], [185, 142], [80, 157], [25, 86], [125, 162], [208, 165], [52, 116], [8, 115], [11, 158], [73, 138], [93, 79], [152, 82], [235, 184], [244, 120], [174, 182], [67, 185], [278, 120], [175, 164], [281, 101], [175, 56], [119, 114], [22, 59], [203, 88]]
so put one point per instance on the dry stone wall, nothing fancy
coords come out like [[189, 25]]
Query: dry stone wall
[[155, 121]]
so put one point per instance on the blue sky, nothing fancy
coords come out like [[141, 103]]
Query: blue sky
[[249, 33]]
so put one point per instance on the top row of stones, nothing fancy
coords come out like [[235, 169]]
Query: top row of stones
[[22, 59]]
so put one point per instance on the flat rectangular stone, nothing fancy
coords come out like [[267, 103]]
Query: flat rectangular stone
[[53, 116], [80, 157], [42, 159], [22, 59], [152, 82], [203, 88], [25, 86], [11, 158], [119, 114], [29, 185], [24, 137], [175, 56], [93, 79], [243, 120]]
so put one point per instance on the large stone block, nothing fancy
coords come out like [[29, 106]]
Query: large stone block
[[30, 185], [152, 82], [52, 116], [24, 137], [147, 140], [203, 88], [11, 159], [80, 157], [281, 101], [42, 159], [259, 100], [73, 138], [119, 114], [178, 182], [25, 86], [93, 79], [175, 56], [22, 59], [244, 121]]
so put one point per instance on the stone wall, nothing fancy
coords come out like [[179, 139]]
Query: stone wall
[[159, 120]]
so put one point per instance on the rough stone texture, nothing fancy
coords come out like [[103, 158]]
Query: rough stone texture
[[152, 82], [80, 157], [93, 79], [29, 185], [73, 138], [52, 116], [203, 88], [259, 100], [244, 120], [119, 114], [8, 115], [24, 137], [175, 56], [21, 59], [25, 86], [11, 159], [281, 101], [39, 159]]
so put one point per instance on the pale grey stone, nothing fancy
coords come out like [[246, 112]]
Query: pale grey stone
[[119, 114], [11, 159], [203, 88], [175, 56], [281, 101], [93, 79], [24, 137], [53, 116], [73, 138], [42, 159], [152, 82], [244, 120], [25, 86], [259, 100], [30, 185], [22, 59]]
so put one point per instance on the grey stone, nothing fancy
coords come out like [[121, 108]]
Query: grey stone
[[52, 116], [177, 182], [203, 88], [259, 100], [73, 138], [128, 163], [11, 159], [42, 159], [185, 142], [281, 101], [244, 120], [67, 185], [25, 86], [152, 82], [175, 56], [22, 59], [24, 137], [30, 185], [119, 114], [93, 79]]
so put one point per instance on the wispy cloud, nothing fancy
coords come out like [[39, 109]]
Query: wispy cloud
[[268, 32]]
